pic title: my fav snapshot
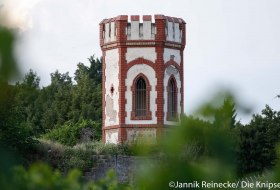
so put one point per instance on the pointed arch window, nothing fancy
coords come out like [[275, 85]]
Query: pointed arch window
[[172, 99], [141, 98]]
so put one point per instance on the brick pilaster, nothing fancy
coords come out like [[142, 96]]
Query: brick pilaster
[[121, 40], [160, 22]]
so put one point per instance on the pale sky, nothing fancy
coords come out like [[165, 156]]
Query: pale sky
[[230, 43]]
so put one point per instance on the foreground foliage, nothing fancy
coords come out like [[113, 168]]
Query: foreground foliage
[[207, 151], [41, 176]]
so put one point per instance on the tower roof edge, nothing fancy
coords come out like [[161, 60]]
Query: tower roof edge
[[122, 17], [159, 16]]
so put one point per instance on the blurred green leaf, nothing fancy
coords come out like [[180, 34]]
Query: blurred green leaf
[[8, 66]]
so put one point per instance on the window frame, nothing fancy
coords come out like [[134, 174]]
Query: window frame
[[148, 115], [171, 117]]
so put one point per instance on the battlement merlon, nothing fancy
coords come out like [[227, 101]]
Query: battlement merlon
[[159, 28]]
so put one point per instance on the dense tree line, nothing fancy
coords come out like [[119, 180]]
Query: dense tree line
[[259, 140], [255, 145], [62, 100], [29, 109], [61, 108], [256, 142]]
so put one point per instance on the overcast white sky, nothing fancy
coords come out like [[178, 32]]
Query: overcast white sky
[[230, 43]]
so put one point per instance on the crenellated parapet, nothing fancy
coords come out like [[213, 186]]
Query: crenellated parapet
[[148, 28]]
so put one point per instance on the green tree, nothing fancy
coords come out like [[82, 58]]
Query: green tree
[[57, 100], [13, 134], [258, 141], [95, 69], [27, 92], [87, 94]]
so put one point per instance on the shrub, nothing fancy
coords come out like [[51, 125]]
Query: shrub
[[64, 157], [79, 156], [70, 133], [101, 148], [76, 158]]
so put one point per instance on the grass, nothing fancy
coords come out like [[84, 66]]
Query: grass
[[99, 148]]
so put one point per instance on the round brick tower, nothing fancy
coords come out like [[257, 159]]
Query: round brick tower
[[142, 87]]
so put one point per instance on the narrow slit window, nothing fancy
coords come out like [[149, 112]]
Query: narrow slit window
[[128, 30], [166, 29], [109, 30], [153, 31], [173, 30], [141, 30], [115, 29]]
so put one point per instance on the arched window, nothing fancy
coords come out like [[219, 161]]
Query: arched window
[[172, 99], [141, 98]]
